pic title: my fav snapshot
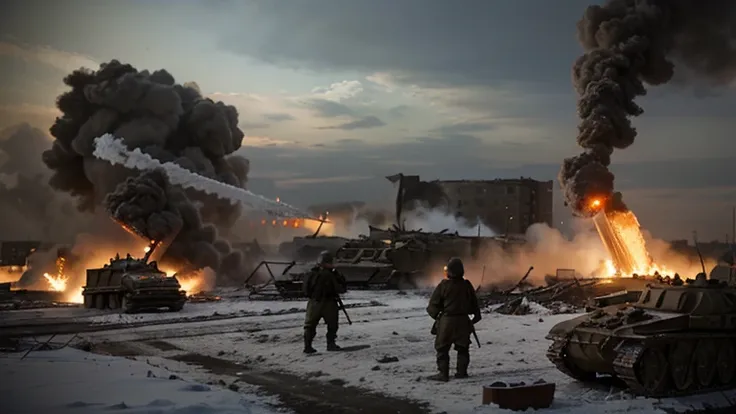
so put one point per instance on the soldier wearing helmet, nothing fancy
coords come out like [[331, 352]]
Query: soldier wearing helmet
[[451, 303], [322, 285]]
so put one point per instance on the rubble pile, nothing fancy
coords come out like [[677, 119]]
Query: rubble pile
[[30, 299], [563, 295]]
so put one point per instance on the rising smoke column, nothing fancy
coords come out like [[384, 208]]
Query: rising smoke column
[[629, 43], [150, 205], [168, 121]]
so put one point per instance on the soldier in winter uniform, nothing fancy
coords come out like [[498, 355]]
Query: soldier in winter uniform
[[322, 286], [451, 303]]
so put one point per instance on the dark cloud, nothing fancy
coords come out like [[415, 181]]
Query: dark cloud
[[463, 128], [329, 109], [363, 123], [434, 42], [398, 111], [278, 117], [254, 125]]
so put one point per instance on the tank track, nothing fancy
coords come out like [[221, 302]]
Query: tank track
[[556, 354], [625, 367]]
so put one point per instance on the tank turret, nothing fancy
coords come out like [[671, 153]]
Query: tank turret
[[677, 339]]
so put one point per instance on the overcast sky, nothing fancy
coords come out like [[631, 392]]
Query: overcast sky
[[334, 95]]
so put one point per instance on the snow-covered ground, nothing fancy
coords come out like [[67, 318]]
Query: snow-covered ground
[[227, 307], [394, 325], [73, 381]]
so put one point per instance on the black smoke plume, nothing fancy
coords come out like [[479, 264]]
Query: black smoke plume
[[168, 121], [150, 205], [630, 43]]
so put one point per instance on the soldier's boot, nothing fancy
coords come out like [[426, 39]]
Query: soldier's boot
[[332, 336], [308, 338], [443, 366], [463, 361]]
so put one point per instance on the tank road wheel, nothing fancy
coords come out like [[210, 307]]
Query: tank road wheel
[[705, 362], [681, 364], [114, 301], [726, 365], [653, 371], [100, 302], [125, 304], [176, 308]]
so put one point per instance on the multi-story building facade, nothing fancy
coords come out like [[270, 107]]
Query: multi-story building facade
[[507, 206]]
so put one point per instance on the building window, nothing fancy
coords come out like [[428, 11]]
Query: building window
[[479, 203], [510, 189]]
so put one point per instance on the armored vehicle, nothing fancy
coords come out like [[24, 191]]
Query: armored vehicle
[[132, 285], [675, 340]]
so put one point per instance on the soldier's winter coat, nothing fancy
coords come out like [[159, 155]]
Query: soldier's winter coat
[[322, 286], [452, 301]]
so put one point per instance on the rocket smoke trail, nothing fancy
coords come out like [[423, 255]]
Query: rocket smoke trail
[[629, 43], [173, 123], [113, 150]]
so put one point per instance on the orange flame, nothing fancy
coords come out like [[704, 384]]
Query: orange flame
[[628, 244]]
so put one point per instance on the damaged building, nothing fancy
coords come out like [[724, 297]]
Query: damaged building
[[508, 206]]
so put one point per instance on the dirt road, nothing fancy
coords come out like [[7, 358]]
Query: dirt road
[[302, 395]]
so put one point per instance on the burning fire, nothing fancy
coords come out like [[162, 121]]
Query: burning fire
[[191, 283], [622, 237], [57, 283]]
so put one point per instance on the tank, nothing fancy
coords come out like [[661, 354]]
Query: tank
[[674, 341], [132, 285], [308, 248], [381, 267]]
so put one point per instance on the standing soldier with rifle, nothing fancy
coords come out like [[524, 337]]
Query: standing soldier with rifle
[[323, 285], [451, 303]]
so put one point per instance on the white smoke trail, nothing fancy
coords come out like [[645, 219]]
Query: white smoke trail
[[114, 151]]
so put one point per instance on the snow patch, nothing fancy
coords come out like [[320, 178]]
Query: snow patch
[[75, 382]]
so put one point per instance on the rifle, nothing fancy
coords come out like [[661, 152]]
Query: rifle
[[472, 329], [342, 306], [475, 335]]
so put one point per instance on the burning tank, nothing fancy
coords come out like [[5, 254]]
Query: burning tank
[[675, 340], [132, 285]]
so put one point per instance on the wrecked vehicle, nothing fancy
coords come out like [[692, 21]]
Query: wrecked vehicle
[[675, 340], [132, 285]]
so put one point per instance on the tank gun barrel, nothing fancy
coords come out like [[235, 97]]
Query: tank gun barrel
[[150, 249]]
